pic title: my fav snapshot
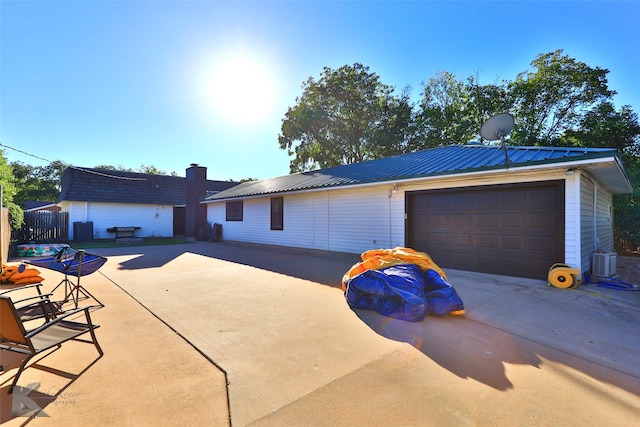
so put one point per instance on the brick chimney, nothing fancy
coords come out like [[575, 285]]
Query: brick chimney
[[195, 213]]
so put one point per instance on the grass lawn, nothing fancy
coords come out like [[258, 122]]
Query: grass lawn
[[147, 241]]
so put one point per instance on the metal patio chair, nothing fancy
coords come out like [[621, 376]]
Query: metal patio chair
[[36, 306], [15, 338]]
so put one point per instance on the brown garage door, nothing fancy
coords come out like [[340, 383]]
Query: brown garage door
[[515, 230]]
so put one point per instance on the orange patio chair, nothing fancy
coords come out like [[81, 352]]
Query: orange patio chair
[[14, 337]]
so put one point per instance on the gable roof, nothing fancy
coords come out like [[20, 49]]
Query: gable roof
[[103, 185], [34, 205], [449, 160]]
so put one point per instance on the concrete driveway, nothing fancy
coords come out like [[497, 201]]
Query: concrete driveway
[[247, 334]]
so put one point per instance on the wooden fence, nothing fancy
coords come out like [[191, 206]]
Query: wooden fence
[[45, 227]]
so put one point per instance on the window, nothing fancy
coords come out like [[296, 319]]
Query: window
[[234, 211], [277, 219]]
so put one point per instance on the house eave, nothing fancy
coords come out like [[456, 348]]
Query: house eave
[[607, 170]]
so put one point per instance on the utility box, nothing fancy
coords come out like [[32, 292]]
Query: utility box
[[604, 264], [83, 232]]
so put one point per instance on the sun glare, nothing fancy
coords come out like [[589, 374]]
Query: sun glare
[[241, 90]]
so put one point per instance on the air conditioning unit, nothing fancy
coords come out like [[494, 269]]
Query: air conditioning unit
[[604, 264]]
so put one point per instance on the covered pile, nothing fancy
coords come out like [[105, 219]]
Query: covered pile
[[400, 283]]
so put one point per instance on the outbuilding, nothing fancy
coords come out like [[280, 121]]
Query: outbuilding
[[99, 201], [511, 211]]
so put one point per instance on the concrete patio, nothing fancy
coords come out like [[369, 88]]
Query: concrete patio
[[239, 334]]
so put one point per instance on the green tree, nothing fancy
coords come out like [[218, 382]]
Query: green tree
[[452, 111], [485, 101], [626, 211], [148, 169], [396, 133], [442, 118], [151, 170], [604, 126], [555, 97], [114, 168], [37, 183], [9, 191], [345, 116]]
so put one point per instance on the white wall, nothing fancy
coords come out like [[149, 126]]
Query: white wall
[[596, 226], [587, 229], [154, 220], [604, 219], [344, 220]]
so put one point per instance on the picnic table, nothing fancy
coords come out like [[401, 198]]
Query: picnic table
[[128, 231]]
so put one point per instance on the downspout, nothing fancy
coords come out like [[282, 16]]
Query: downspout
[[393, 190], [596, 241], [328, 220]]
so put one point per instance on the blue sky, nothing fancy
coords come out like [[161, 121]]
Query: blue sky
[[128, 83]]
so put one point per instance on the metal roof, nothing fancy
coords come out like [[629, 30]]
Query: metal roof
[[454, 159]]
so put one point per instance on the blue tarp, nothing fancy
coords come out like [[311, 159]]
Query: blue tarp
[[404, 292]]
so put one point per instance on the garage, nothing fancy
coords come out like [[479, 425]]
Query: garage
[[512, 229]]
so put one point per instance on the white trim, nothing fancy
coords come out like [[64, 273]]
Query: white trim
[[572, 221]]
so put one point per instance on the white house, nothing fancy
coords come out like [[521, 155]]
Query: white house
[[159, 205], [470, 207]]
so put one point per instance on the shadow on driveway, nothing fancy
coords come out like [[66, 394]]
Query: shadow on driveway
[[318, 266], [466, 348]]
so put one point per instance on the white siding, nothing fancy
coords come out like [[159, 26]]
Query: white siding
[[597, 223], [154, 220], [351, 220], [604, 220], [360, 220], [303, 222], [587, 230], [77, 213]]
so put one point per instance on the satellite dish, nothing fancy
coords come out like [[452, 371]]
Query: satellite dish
[[497, 127]]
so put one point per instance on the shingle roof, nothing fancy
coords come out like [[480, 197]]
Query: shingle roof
[[36, 204], [447, 160], [101, 185]]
